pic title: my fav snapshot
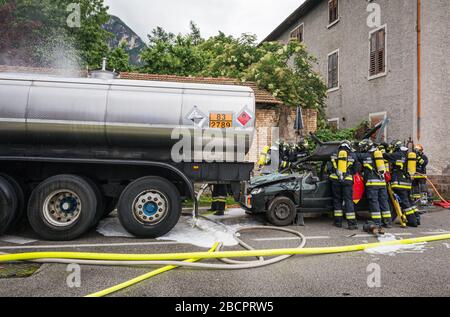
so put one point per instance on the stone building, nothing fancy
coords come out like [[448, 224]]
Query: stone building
[[383, 58]]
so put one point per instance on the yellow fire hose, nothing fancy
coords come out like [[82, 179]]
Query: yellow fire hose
[[213, 255], [142, 277]]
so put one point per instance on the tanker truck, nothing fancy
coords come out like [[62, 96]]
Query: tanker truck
[[74, 149]]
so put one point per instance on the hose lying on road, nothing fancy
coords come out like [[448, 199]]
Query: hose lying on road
[[142, 277], [232, 264], [133, 258]]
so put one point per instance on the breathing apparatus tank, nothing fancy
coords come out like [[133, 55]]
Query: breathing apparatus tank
[[342, 163], [379, 162], [412, 163], [264, 158]]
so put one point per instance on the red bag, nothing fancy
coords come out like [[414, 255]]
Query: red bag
[[358, 188]]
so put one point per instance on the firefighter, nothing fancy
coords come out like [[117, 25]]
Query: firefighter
[[219, 199], [420, 190], [342, 170], [401, 182], [374, 169]]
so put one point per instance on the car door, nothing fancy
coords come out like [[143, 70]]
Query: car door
[[316, 194]]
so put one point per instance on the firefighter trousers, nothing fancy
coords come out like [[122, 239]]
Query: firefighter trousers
[[343, 202], [379, 208], [408, 207], [219, 197]]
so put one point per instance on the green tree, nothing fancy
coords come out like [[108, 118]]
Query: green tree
[[118, 59], [38, 33], [285, 70], [173, 54]]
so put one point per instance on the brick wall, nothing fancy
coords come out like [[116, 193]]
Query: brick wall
[[442, 183], [268, 118]]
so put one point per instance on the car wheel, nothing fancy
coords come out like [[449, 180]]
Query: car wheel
[[62, 208], [149, 207], [281, 212]]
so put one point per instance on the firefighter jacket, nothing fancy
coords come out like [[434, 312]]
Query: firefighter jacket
[[400, 176], [422, 163], [351, 168], [372, 177]]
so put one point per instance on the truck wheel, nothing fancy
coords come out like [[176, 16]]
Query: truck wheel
[[62, 208], [18, 215], [281, 212], [100, 200], [8, 204], [149, 207]]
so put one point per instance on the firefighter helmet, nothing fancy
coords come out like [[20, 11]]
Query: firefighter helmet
[[365, 145]]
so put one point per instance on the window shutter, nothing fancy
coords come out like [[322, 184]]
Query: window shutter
[[381, 51], [297, 34], [377, 52], [333, 10], [330, 71], [373, 54], [333, 69]]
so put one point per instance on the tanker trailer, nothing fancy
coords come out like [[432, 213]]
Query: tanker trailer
[[73, 149]]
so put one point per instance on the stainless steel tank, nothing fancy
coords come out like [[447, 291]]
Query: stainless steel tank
[[119, 118]]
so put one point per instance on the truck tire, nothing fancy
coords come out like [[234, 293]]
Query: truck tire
[[281, 212], [101, 201], [21, 201], [149, 207], [62, 208], [8, 205]]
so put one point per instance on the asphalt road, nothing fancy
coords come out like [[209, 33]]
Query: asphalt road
[[418, 271]]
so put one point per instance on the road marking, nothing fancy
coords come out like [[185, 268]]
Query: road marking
[[371, 235], [435, 233], [65, 246], [293, 238]]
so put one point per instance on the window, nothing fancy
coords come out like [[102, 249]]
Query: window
[[333, 70], [374, 119], [334, 124], [377, 53], [333, 11], [297, 34]]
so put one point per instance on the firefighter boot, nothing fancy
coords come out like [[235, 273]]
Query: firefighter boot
[[338, 217], [352, 225]]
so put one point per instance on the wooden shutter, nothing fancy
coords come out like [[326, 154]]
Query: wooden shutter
[[333, 69], [381, 51], [333, 10], [297, 34], [378, 52]]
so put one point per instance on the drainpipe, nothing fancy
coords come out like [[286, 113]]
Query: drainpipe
[[419, 70]]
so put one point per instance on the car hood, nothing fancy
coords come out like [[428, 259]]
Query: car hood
[[271, 179]]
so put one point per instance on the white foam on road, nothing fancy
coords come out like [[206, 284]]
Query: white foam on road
[[111, 227], [204, 233], [200, 232], [393, 250]]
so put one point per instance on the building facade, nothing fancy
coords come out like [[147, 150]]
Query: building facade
[[382, 59]]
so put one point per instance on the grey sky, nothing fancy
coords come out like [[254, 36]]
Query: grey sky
[[230, 16]]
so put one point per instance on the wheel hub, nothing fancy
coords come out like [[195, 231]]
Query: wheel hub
[[282, 211], [62, 208], [150, 207]]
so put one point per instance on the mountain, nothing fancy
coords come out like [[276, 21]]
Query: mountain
[[122, 32]]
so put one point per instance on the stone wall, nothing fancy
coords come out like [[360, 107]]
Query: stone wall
[[442, 183]]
